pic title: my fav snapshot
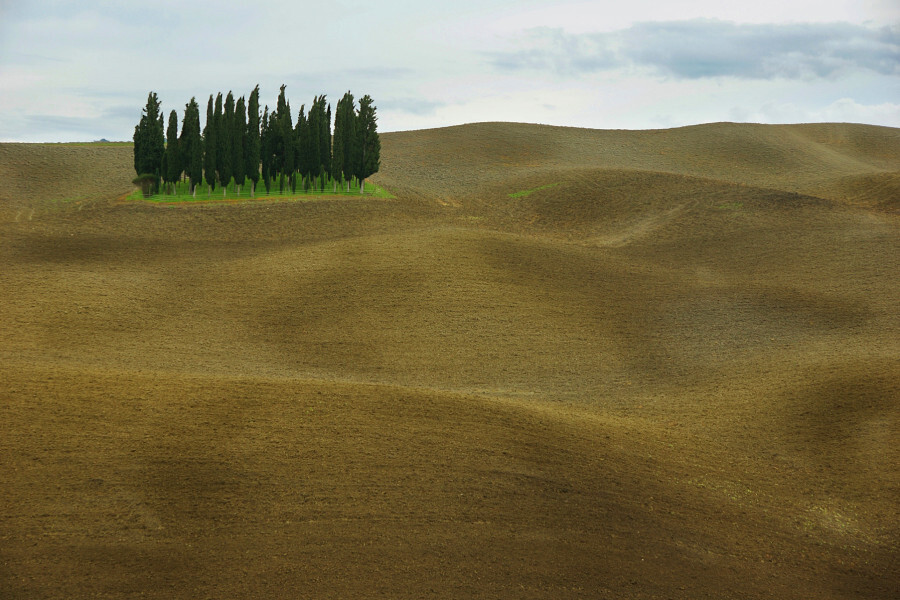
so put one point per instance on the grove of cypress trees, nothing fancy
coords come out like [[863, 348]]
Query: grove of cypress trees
[[210, 145], [239, 132], [252, 157], [235, 143], [173, 156]]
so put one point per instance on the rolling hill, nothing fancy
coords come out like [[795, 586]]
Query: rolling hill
[[560, 363]]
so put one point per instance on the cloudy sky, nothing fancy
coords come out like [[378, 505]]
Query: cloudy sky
[[73, 71]]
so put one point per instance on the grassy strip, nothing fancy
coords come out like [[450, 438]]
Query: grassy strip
[[182, 193], [524, 193]]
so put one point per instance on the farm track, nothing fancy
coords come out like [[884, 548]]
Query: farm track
[[673, 374]]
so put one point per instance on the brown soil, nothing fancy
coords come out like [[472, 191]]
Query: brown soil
[[673, 374]]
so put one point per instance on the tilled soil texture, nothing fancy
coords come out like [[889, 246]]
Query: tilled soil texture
[[671, 370]]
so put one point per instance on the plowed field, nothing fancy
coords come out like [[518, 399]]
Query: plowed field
[[671, 370]]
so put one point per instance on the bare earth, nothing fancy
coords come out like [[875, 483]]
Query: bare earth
[[673, 373]]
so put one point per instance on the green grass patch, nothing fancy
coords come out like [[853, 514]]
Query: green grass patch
[[230, 193], [731, 206], [524, 193]]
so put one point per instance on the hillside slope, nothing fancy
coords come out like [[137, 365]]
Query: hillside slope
[[663, 373], [812, 159]]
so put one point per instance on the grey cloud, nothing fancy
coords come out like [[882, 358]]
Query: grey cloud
[[109, 125], [705, 48], [557, 51], [124, 113], [413, 106]]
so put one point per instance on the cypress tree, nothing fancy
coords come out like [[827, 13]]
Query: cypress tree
[[281, 141], [344, 154], [220, 140], [312, 140], [173, 156], [315, 142], [239, 128], [287, 135], [210, 144], [196, 156], [161, 137], [337, 145], [265, 148], [226, 134], [252, 157], [370, 145], [325, 137], [189, 144], [185, 148], [149, 142], [303, 159]]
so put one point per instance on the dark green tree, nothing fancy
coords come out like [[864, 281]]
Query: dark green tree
[[301, 139], [326, 140], [149, 141], [185, 141], [220, 140], [173, 156], [316, 147], [210, 145], [190, 144], [265, 150], [288, 165], [282, 140], [343, 153], [252, 157], [370, 145], [337, 145], [239, 133], [226, 134]]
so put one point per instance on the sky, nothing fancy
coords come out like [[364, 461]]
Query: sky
[[81, 71]]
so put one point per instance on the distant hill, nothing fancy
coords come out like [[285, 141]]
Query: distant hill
[[836, 161]]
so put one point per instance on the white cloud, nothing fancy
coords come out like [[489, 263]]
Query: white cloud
[[704, 48]]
